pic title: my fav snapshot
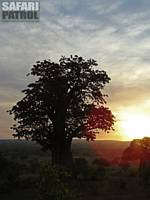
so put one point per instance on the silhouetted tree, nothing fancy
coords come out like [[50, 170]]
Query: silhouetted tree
[[139, 149], [64, 102]]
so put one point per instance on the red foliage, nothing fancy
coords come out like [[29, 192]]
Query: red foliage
[[99, 118]]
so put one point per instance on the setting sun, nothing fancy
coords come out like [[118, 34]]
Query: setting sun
[[135, 125]]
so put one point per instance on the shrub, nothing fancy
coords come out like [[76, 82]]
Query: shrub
[[80, 168], [101, 162], [52, 184]]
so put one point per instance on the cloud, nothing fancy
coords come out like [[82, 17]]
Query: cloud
[[115, 33], [104, 7]]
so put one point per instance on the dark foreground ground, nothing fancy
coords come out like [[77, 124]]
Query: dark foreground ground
[[92, 190], [92, 180]]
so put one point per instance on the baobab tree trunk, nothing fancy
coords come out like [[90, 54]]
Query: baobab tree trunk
[[61, 146], [62, 155]]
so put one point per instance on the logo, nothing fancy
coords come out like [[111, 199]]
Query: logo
[[20, 11]]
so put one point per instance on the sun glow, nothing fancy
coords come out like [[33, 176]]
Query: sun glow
[[135, 125]]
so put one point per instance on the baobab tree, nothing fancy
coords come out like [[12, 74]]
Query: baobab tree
[[65, 102]]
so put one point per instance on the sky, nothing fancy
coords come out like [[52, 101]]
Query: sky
[[116, 33]]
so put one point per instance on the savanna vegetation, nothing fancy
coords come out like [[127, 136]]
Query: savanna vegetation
[[26, 173]]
